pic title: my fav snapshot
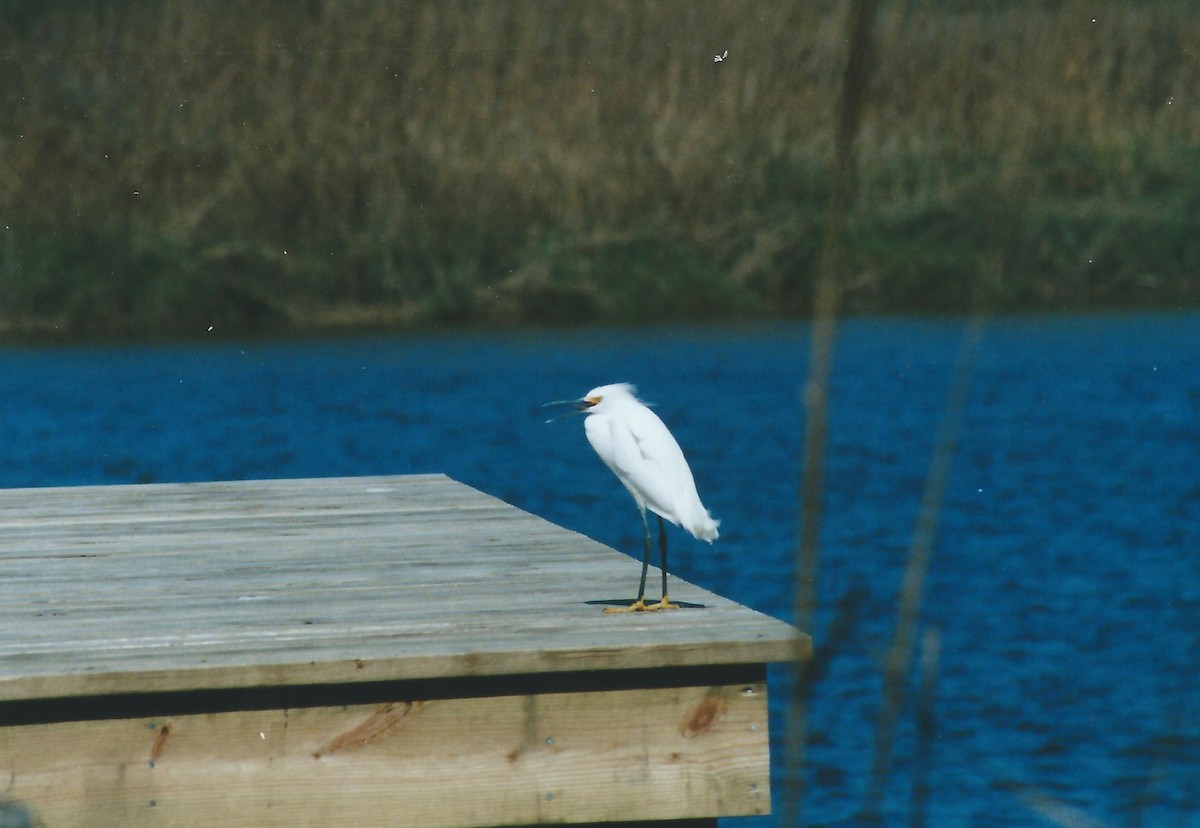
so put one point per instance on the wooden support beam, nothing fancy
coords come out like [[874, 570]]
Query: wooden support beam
[[604, 756]]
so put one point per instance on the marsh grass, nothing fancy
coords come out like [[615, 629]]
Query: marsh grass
[[285, 165]]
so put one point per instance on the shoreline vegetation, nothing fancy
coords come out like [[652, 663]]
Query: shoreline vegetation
[[292, 167]]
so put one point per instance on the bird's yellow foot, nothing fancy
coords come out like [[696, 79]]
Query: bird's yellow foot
[[664, 604], [637, 606]]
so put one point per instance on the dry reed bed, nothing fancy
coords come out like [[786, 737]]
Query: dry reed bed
[[351, 162]]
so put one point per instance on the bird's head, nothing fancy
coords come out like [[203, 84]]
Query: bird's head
[[597, 400], [605, 396]]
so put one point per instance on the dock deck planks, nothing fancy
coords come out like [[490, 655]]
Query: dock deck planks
[[147, 593]]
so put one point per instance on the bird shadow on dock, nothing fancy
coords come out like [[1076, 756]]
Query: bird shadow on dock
[[624, 602]]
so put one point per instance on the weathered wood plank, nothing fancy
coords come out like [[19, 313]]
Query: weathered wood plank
[[160, 588], [664, 753]]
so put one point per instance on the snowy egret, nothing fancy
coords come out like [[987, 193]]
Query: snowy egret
[[634, 443]]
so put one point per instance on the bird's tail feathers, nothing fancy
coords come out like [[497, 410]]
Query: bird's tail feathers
[[706, 528], [700, 524]]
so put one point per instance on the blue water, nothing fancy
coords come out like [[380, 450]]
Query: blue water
[[1065, 581]]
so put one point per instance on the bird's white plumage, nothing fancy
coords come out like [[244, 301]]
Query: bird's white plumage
[[642, 453]]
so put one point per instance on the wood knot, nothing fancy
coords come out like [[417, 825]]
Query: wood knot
[[161, 735], [384, 720], [704, 716]]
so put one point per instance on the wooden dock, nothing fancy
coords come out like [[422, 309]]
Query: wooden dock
[[358, 652]]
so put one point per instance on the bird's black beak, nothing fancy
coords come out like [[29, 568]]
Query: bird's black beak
[[580, 406]]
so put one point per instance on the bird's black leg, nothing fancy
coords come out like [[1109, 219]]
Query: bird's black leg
[[662, 549], [664, 602], [641, 599], [640, 603]]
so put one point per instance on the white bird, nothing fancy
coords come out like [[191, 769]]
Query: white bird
[[634, 443]]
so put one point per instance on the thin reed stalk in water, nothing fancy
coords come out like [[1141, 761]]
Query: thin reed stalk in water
[[816, 391], [899, 655], [931, 652]]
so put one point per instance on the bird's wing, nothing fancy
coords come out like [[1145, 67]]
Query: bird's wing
[[646, 458]]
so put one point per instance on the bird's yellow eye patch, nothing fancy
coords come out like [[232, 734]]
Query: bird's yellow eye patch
[[592, 400]]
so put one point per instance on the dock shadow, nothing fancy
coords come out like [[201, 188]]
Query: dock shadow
[[624, 602]]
